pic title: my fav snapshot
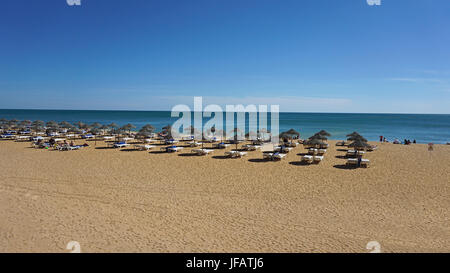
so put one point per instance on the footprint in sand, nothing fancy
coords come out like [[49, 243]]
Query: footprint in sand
[[35, 197], [27, 195]]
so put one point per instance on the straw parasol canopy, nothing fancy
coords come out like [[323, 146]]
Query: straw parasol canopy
[[128, 127], [314, 142], [318, 136], [146, 131], [359, 144], [324, 133], [290, 134], [356, 137]]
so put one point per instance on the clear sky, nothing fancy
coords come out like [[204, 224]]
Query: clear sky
[[305, 55]]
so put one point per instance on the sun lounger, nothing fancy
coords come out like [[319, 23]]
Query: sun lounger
[[221, 145], [354, 153], [8, 136], [120, 145], [282, 149], [194, 144], [372, 148], [248, 147], [354, 162], [202, 151], [321, 151], [274, 156], [173, 149], [307, 159], [144, 147], [235, 154], [317, 159], [170, 141], [313, 151]]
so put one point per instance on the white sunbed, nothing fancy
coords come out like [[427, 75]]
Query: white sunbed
[[171, 141], [354, 161], [121, 145], [321, 151], [108, 137], [144, 147], [234, 154], [274, 156], [354, 153], [251, 147], [307, 158], [282, 149], [19, 138], [173, 149], [201, 151], [313, 151], [194, 144], [221, 145], [317, 159]]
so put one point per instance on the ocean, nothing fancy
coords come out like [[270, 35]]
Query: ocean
[[424, 128]]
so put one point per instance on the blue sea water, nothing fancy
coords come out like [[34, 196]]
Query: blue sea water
[[422, 127]]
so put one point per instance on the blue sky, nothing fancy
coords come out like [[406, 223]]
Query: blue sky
[[305, 55]]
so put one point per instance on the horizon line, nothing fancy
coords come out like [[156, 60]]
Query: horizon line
[[284, 112]]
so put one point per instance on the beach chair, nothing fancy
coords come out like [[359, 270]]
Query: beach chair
[[372, 148], [317, 159], [249, 147], [352, 162], [307, 159], [291, 144], [170, 141], [235, 154], [201, 151], [121, 144], [282, 149], [221, 145], [194, 144], [321, 151], [274, 156], [144, 147], [312, 151], [173, 149]]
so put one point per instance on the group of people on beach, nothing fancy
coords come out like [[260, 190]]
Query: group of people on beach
[[397, 141]]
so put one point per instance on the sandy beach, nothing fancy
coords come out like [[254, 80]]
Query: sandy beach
[[130, 201]]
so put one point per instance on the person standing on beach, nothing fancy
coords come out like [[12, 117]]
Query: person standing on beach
[[381, 138]]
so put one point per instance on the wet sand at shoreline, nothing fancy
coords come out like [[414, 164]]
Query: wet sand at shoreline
[[131, 201]]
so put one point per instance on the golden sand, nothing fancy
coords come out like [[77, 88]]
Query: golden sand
[[130, 201]]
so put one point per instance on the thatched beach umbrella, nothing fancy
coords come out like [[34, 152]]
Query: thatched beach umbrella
[[324, 133], [146, 131], [359, 144], [356, 136], [318, 136], [314, 142], [291, 133]]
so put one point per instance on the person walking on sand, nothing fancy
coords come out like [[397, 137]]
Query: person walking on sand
[[381, 138], [430, 147], [359, 160]]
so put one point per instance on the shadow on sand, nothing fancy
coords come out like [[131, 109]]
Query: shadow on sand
[[345, 167]]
